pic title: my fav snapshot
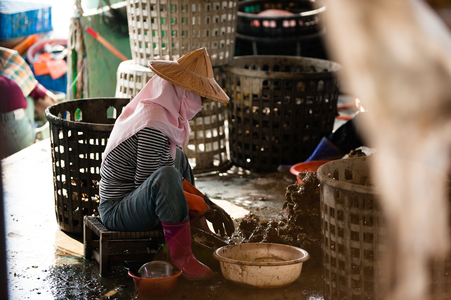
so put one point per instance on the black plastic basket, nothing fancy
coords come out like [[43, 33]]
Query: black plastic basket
[[307, 18], [310, 45], [79, 131], [280, 108]]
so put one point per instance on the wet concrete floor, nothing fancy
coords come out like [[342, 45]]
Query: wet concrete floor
[[44, 262]]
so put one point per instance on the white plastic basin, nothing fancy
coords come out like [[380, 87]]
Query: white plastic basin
[[262, 265]]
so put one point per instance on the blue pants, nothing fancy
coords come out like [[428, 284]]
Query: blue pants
[[159, 198]]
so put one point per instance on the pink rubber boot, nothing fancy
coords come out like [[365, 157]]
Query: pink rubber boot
[[178, 238]]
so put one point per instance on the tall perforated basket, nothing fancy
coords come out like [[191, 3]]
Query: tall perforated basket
[[131, 78], [280, 108], [351, 222], [354, 235], [169, 29], [79, 131], [207, 148]]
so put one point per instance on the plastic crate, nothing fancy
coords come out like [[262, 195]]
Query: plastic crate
[[19, 19]]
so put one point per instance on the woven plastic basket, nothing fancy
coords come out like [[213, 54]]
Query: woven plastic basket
[[351, 224], [168, 29], [354, 231], [307, 18], [310, 45], [280, 108], [79, 131], [131, 78], [207, 148]]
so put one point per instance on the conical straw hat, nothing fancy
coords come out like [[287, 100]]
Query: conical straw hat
[[193, 72]]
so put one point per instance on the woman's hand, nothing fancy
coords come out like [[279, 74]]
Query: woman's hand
[[221, 220], [41, 104]]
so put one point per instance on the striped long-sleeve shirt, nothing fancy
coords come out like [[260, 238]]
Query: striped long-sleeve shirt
[[129, 164]]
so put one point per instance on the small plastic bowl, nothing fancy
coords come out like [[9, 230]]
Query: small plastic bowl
[[309, 166], [156, 269], [156, 286]]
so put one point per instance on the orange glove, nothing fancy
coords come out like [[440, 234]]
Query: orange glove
[[188, 187], [196, 203]]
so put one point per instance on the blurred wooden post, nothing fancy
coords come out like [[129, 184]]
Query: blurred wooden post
[[396, 58]]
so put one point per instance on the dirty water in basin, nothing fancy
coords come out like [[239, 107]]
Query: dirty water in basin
[[268, 259]]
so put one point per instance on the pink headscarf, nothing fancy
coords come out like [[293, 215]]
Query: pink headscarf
[[160, 105]]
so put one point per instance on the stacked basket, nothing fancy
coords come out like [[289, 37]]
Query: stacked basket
[[167, 30], [281, 103], [280, 27]]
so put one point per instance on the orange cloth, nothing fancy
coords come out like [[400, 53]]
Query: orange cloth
[[46, 65], [57, 68], [45, 57], [40, 68], [196, 203]]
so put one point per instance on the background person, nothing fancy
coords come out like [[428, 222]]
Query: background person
[[21, 97]]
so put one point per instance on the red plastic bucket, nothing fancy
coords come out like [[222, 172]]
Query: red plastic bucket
[[39, 46], [156, 286], [309, 166]]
